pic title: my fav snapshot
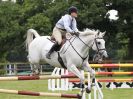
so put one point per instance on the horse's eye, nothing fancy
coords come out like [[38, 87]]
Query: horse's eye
[[98, 43]]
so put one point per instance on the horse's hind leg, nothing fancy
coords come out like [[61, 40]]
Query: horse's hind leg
[[34, 59], [35, 69]]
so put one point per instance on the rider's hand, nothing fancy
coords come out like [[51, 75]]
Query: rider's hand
[[76, 33]]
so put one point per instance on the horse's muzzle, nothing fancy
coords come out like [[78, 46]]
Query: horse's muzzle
[[105, 55]]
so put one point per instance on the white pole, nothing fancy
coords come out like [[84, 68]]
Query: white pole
[[95, 92], [98, 89], [89, 85], [99, 96], [51, 86], [89, 96], [62, 80], [66, 81], [15, 67], [70, 86], [111, 86], [58, 80], [41, 69], [84, 92], [53, 80], [49, 80]]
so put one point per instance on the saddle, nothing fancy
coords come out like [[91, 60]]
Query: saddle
[[52, 39]]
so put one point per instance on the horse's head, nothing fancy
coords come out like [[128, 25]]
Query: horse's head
[[94, 39], [99, 44]]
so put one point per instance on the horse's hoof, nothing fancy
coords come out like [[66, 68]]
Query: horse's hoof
[[35, 74], [79, 96], [88, 90]]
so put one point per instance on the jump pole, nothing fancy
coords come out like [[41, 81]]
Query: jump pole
[[109, 73], [111, 65], [104, 80], [115, 80], [30, 93], [36, 77], [114, 73]]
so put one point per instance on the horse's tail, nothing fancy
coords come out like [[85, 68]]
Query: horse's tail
[[31, 33]]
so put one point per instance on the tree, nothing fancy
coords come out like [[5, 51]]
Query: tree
[[42, 15], [39, 22], [125, 23], [10, 28], [15, 19]]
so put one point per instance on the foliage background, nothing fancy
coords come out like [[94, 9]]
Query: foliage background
[[17, 18]]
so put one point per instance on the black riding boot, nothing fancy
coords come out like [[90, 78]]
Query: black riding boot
[[52, 49]]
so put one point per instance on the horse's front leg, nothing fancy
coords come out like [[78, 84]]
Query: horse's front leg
[[87, 68], [72, 68]]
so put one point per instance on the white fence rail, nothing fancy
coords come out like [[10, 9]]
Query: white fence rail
[[65, 85]]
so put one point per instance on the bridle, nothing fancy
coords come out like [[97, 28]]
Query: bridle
[[95, 41], [98, 49]]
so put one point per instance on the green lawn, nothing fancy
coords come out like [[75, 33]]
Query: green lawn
[[41, 86]]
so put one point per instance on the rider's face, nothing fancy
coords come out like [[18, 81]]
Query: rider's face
[[74, 14]]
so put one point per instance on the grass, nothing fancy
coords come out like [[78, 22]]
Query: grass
[[41, 86]]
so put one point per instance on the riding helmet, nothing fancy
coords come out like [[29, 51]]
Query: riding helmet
[[72, 9]]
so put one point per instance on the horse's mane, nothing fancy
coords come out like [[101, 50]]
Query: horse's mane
[[89, 32]]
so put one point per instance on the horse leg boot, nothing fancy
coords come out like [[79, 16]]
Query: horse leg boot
[[55, 45]]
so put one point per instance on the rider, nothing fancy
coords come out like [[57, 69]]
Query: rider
[[66, 24]]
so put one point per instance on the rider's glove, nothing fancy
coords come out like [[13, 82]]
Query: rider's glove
[[76, 33]]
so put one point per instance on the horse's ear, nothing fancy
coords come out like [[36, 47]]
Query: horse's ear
[[98, 33], [103, 33]]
